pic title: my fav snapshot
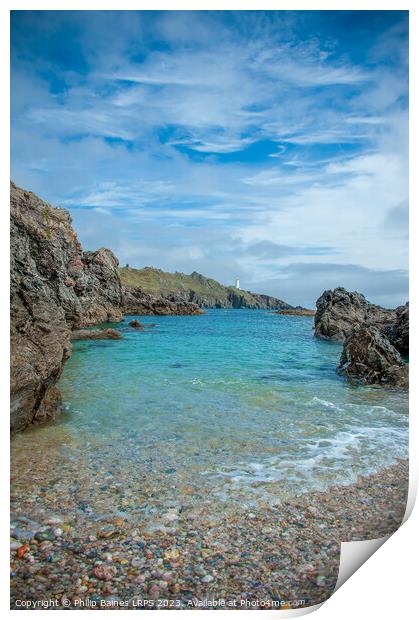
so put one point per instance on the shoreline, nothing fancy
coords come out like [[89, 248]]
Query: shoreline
[[288, 552]]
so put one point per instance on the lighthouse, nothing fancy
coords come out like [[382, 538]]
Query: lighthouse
[[238, 283]]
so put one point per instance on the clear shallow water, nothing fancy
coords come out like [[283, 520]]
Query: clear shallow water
[[234, 406]]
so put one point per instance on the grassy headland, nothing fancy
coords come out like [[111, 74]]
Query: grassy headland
[[195, 287]]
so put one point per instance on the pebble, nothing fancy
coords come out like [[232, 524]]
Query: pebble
[[172, 554], [23, 549], [105, 573], [45, 535], [170, 516], [54, 520], [207, 579], [15, 544]]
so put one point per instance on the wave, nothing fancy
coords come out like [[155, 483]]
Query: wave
[[342, 455]]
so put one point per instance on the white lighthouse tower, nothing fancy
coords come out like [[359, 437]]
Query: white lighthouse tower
[[238, 283]]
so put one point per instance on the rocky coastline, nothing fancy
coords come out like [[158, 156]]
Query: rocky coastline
[[136, 301], [57, 288], [374, 338], [196, 289], [63, 549]]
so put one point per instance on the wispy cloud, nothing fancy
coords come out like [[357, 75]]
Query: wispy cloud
[[257, 140]]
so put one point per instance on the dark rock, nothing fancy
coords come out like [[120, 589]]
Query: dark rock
[[136, 324], [339, 311], [368, 356], [136, 301], [96, 334], [100, 289], [55, 287], [398, 333], [297, 311]]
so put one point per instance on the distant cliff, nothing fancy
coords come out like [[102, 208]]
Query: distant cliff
[[195, 288]]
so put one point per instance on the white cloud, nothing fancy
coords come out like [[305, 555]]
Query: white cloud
[[115, 146]]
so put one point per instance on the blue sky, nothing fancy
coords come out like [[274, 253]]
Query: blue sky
[[270, 146]]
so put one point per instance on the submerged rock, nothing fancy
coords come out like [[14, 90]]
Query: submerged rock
[[339, 311], [136, 324], [368, 356], [96, 334]]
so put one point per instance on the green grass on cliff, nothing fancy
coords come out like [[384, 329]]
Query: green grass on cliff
[[157, 282]]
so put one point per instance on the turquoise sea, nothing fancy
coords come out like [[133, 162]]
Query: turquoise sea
[[240, 402], [231, 408]]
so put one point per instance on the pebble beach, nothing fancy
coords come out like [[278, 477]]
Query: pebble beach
[[144, 493], [191, 554]]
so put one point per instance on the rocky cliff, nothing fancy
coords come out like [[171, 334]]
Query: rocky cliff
[[55, 287], [195, 288]]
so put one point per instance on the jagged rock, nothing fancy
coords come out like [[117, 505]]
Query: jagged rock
[[55, 287], [96, 334], [136, 301], [100, 289], [368, 356], [339, 311], [136, 324], [398, 333]]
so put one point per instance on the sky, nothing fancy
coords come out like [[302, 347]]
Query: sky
[[261, 145]]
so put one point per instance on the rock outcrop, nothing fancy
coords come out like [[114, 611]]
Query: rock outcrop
[[339, 311], [369, 357], [55, 288], [297, 311], [99, 288], [96, 334], [398, 333], [136, 301]]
